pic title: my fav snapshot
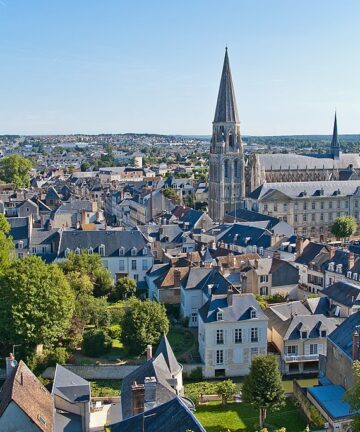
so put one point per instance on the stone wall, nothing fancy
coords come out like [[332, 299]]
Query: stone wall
[[95, 372]]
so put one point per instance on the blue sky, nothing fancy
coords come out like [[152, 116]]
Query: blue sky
[[93, 66]]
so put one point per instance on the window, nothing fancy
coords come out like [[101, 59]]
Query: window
[[291, 350], [253, 313], [194, 317], [254, 352], [21, 244], [254, 335], [133, 264], [219, 357], [304, 334], [348, 274], [285, 207], [313, 205], [133, 251], [330, 204], [20, 255], [323, 333], [321, 216], [122, 251], [219, 316], [265, 207], [264, 278], [338, 204], [121, 265], [44, 249], [67, 251], [355, 275], [304, 217], [275, 207], [338, 268], [102, 250], [77, 251], [90, 251], [313, 349], [295, 218], [305, 206], [226, 169], [238, 336], [264, 291], [219, 337], [145, 265], [322, 205], [145, 251], [33, 250], [136, 277], [313, 217]]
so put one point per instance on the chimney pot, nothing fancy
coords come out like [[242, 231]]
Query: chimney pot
[[149, 352]]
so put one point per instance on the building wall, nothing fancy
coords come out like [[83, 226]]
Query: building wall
[[338, 366], [191, 301]]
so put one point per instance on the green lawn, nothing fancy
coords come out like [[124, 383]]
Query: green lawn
[[105, 388], [181, 341], [237, 417]]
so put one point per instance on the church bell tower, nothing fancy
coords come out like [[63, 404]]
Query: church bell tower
[[226, 175]]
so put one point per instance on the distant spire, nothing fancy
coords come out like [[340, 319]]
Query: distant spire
[[226, 110], [335, 146]]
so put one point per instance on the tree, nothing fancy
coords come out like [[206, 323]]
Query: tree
[[36, 305], [226, 389], [6, 244], [124, 288], [16, 169], [344, 227], [96, 342], [143, 323], [263, 387], [352, 396], [171, 194], [92, 266], [84, 166]]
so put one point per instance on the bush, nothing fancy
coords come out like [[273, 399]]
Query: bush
[[196, 374], [96, 342], [116, 315], [114, 331], [58, 356], [173, 310]]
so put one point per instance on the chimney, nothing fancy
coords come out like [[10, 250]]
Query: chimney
[[83, 217], [150, 392], [355, 347], [277, 255], [332, 252], [230, 297], [299, 245], [177, 278], [94, 206], [11, 364], [149, 352], [137, 398], [351, 260], [256, 264]]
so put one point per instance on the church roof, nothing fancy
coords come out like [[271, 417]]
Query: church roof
[[226, 110], [335, 141], [165, 349]]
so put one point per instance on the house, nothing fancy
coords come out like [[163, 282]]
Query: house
[[344, 298], [71, 395], [25, 404], [124, 253], [299, 331], [173, 415], [74, 214], [269, 276], [155, 382], [232, 330], [197, 287]]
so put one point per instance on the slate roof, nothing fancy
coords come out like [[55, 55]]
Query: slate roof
[[69, 386], [310, 252], [67, 422], [165, 349], [172, 415], [226, 109], [73, 206], [296, 161], [200, 278], [155, 367], [29, 394], [244, 235], [113, 240], [244, 215], [239, 310], [283, 273], [342, 336], [344, 293], [19, 229], [312, 188]]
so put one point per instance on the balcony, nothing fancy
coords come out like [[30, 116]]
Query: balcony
[[300, 358]]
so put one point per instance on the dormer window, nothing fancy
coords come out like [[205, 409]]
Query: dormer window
[[133, 251], [67, 251], [261, 250], [122, 251], [355, 276], [145, 251], [339, 268], [253, 313], [102, 250], [348, 274], [323, 333], [90, 250], [331, 266], [304, 334], [77, 251], [21, 244], [219, 316]]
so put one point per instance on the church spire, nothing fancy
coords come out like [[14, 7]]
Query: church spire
[[335, 146], [226, 109]]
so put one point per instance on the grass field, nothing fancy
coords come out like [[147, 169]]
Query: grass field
[[181, 340], [105, 388], [241, 417]]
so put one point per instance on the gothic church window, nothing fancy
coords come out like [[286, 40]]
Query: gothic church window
[[226, 169]]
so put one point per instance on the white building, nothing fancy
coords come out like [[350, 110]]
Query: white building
[[232, 330]]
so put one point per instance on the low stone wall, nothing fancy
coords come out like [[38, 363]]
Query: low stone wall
[[189, 367], [95, 372]]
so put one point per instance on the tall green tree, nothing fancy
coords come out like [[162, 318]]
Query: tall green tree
[[226, 389], [143, 323], [6, 245], [263, 387], [36, 304], [124, 288], [352, 396], [344, 227], [92, 266], [16, 169]]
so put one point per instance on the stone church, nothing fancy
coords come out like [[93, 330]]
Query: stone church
[[278, 167], [227, 166]]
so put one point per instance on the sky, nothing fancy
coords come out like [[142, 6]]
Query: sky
[[116, 66]]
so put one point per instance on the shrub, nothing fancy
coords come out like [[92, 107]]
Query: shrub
[[96, 342], [196, 374], [116, 315], [58, 356], [114, 331]]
